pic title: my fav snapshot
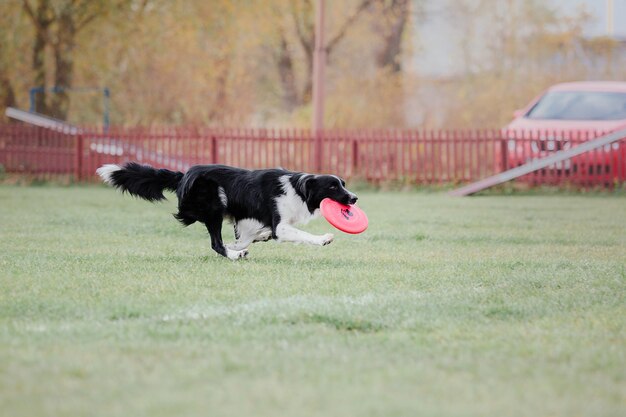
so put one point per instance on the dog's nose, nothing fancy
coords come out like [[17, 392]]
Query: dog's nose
[[353, 199]]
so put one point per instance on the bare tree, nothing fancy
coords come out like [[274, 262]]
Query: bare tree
[[302, 15], [391, 26], [57, 25]]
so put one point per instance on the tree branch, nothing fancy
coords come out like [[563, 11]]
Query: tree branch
[[80, 13], [85, 21], [41, 30], [142, 8], [305, 41], [346, 25], [82, 21]]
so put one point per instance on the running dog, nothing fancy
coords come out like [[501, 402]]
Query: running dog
[[262, 204]]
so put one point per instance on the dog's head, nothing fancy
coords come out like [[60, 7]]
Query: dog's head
[[320, 187]]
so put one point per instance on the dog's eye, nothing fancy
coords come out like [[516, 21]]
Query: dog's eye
[[333, 187]]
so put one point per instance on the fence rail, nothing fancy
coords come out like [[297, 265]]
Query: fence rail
[[409, 156]]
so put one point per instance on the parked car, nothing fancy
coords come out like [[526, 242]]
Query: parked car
[[563, 116]]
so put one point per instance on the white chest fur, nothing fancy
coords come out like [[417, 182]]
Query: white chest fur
[[291, 207]]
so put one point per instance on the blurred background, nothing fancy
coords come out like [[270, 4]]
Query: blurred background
[[391, 63]]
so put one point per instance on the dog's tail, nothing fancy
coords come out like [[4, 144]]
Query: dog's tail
[[140, 180]]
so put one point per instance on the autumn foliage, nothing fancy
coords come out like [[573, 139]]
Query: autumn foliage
[[249, 62]]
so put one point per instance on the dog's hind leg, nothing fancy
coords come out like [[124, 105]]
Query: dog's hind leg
[[264, 235], [202, 203], [248, 231], [214, 226]]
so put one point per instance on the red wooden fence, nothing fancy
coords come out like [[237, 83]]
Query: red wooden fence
[[408, 156]]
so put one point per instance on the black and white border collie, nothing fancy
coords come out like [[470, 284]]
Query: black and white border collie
[[262, 204]]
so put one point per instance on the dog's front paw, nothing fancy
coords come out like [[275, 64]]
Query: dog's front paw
[[326, 239], [236, 254]]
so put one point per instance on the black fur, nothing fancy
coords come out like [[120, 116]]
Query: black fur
[[248, 194], [145, 182]]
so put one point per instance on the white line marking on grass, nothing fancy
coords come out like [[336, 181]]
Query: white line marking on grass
[[281, 306], [249, 312]]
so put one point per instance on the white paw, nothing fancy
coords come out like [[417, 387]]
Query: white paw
[[326, 239], [236, 254]]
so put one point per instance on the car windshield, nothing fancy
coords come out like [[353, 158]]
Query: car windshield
[[580, 105]]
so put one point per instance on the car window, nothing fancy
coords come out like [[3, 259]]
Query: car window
[[583, 105]]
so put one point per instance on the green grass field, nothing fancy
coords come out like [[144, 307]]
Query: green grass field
[[482, 306]]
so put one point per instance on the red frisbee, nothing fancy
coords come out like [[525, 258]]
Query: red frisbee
[[349, 219]]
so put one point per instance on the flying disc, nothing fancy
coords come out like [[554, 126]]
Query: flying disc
[[349, 219]]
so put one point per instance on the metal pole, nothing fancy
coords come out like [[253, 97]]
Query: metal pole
[[106, 98], [33, 91], [319, 64]]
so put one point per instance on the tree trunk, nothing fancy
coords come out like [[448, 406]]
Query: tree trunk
[[389, 54], [64, 64], [7, 94], [287, 75], [39, 54], [220, 105], [307, 91], [305, 28]]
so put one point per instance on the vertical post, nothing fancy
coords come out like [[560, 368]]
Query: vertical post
[[78, 158], [504, 163], [214, 153], [106, 97], [32, 93], [319, 64], [355, 157]]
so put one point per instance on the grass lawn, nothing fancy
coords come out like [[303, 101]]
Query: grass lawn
[[482, 306]]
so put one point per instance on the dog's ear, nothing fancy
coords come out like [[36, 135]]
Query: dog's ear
[[311, 193], [309, 186]]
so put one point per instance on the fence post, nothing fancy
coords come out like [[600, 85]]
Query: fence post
[[214, 153], [78, 158], [355, 157], [317, 150], [503, 154]]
